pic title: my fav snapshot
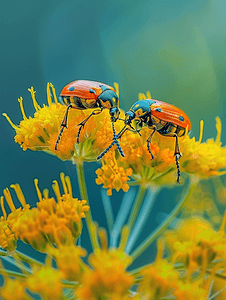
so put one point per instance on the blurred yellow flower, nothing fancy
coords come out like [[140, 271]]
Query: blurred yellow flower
[[158, 280], [13, 289], [191, 290], [194, 242], [69, 262], [108, 277], [46, 281]]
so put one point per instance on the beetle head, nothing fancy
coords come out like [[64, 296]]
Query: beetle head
[[129, 117], [114, 113], [109, 99], [138, 111]]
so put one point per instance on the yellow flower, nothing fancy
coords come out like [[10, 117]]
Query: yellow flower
[[191, 290], [27, 228], [47, 282], [203, 159], [69, 262], [108, 277], [7, 238], [194, 242], [113, 176], [158, 280], [40, 132], [12, 286], [58, 222], [137, 157], [219, 285]]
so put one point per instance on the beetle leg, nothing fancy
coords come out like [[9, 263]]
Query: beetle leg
[[177, 151], [149, 141], [177, 154], [118, 136], [116, 141], [63, 125], [177, 157], [82, 124]]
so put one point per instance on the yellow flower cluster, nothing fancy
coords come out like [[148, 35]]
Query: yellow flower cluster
[[56, 222], [40, 133], [44, 280], [112, 176], [202, 160], [105, 276], [69, 262], [194, 243], [161, 279], [108, 276]]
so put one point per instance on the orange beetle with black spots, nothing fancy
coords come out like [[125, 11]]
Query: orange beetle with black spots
[[86, 94], [166, 119]]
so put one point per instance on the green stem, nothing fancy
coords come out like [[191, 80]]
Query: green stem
[[133, 183], [27, 259], [136, 207], [150, 239], [66, 283], [69, 284], [5, 272], [84, 195]]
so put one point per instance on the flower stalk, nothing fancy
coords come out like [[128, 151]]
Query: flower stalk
[[159, 230], [84, 195]]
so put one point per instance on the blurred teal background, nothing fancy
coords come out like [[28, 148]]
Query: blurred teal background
[[175, 49]]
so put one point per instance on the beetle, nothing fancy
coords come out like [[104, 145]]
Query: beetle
[[86, 94], [166, 119]]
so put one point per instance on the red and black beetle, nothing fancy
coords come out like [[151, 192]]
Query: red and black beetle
[[166, 119], [86, 94]]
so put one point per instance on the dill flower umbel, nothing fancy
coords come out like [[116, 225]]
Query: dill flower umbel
[[158, 280], [195, 242], [46, 281], [108, 277], [69, 262], [202, 160], [40, 132], [7, 292], [113, 176], [56, 222]]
